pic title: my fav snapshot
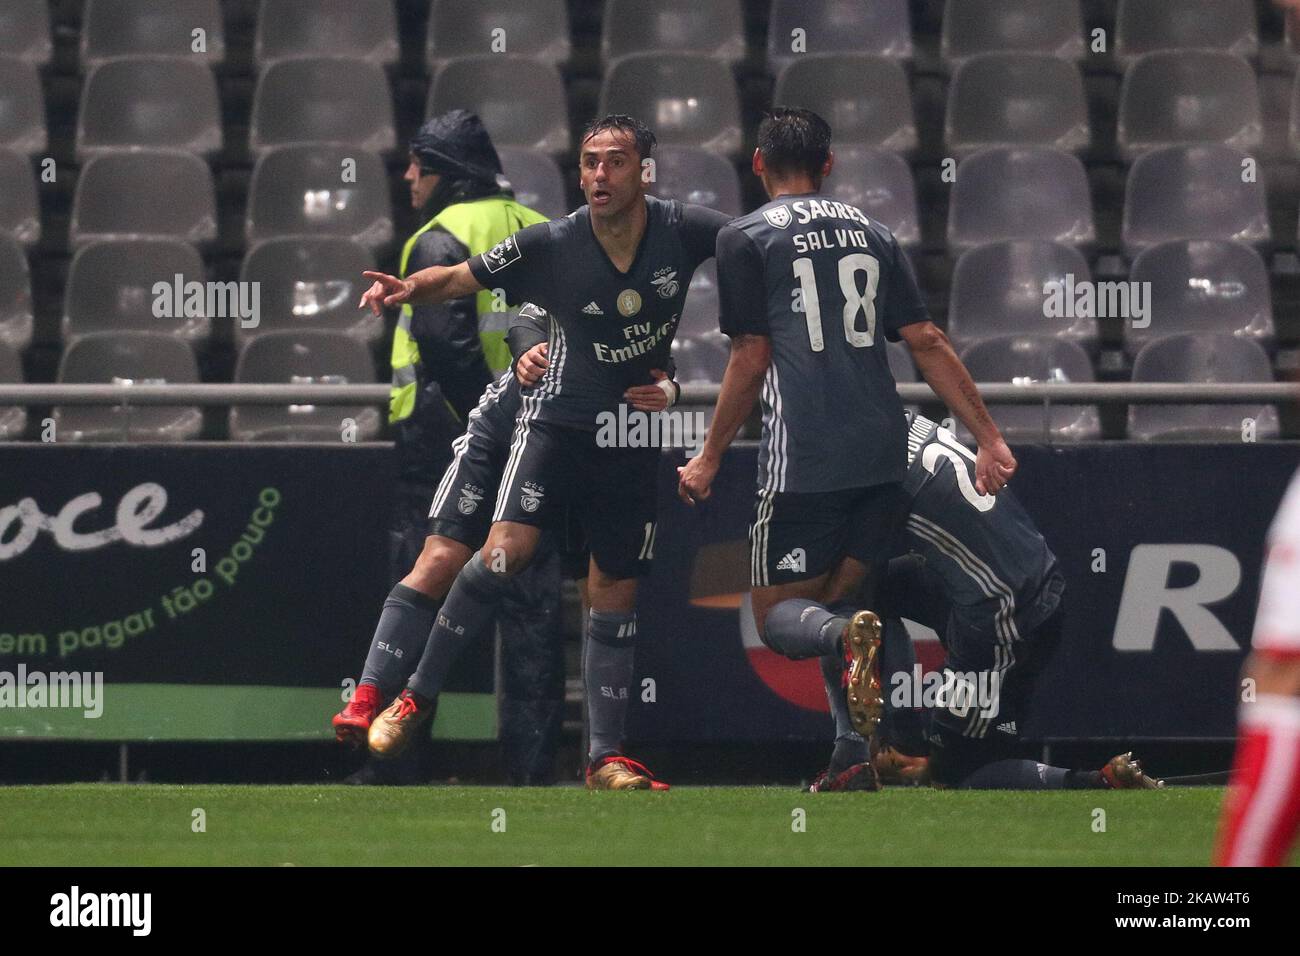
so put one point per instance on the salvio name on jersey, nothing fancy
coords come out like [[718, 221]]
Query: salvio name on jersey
[[805, 211]]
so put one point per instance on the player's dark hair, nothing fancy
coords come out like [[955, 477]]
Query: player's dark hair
[[794, 140], [642, 134]]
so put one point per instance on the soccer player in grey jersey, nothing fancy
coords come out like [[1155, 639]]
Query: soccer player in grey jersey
[[808, 287], [613, 276]]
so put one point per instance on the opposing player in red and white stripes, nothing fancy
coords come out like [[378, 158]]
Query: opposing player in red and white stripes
[[1262, 811]]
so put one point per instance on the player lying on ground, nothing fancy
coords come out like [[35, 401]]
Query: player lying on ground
[[978, 572], [613, 276], [1262, 810], [809, 288]]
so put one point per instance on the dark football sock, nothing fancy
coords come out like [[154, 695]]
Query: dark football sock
[[467, 614], [399, 639], [607, 673], [1017, 775], [799, 628]]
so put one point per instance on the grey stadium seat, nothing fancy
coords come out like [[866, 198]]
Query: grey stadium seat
[[25, 31], [687, 100], [520, 100], [700, 311], [310, 283], [15, 296], [1020, 193], [696, 176], [20, 213], [535, 179], [459, 28], [303, 358], [113, 28], [22, 108], [881, 27], [865, 99], [880, 184], [361, 29], [111, 289], [143, 195], [998, 291], [296, 191], [972, 27], [322, 100], [13, 419], [1144, 26], [715, 29], [1203, 285], [1189, 96], [1203, 358], [1029, 359], [1016, 99], [140, 357], [1193, 192], [155, 102], [702, 360]]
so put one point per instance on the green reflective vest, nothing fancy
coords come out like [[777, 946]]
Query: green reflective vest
[[478, 225]]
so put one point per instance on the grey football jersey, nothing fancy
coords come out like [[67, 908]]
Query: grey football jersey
[[828, 285], [608, 328]]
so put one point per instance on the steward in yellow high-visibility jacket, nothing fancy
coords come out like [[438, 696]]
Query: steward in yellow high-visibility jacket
[[444, 355]]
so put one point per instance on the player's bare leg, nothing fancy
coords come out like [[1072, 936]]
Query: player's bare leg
[[1262, 812], [467, 613], [400, 634]]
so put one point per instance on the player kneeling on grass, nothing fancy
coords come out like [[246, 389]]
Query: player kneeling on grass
[[979, 573]]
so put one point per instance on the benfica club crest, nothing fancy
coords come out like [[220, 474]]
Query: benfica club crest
[[778, 216]]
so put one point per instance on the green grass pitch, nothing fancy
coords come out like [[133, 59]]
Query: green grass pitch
[[105, 824]]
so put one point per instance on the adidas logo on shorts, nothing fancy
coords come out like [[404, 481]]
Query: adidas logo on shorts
[[1008, 728], [796, 561], [593, 309]]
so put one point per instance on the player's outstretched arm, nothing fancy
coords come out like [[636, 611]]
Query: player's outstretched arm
[[426, 287], [750, 357], [943, 370]]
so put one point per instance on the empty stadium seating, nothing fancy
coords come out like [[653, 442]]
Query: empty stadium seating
[[20, 215], [798, 28], [304, 358], [700, 311], [156, 102], [144, 195], [128, 357], [1193, 192], [687, 100], [298, 191], [310, 283], [714, 29], [972, 27], [1189, 96], [111, 288], [322, 100], [25, 31], [880, 184], [535, 179], [13, 420], [15, 296], [360, 29], [1144, 26], [466, 28], [1002, 289], [520, 100], [113, 28], [1016, 99], [22, 108], [696, 176], [1202, 358], [1030, 359], [1020, 193], [865, 99]]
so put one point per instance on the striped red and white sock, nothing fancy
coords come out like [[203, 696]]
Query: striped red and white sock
[[1262, 810]]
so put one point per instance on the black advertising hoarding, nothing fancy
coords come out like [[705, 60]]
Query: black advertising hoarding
[[224, 591], [1161, 546]]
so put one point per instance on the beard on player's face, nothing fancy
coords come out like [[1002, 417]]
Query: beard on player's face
[[610, 174]]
